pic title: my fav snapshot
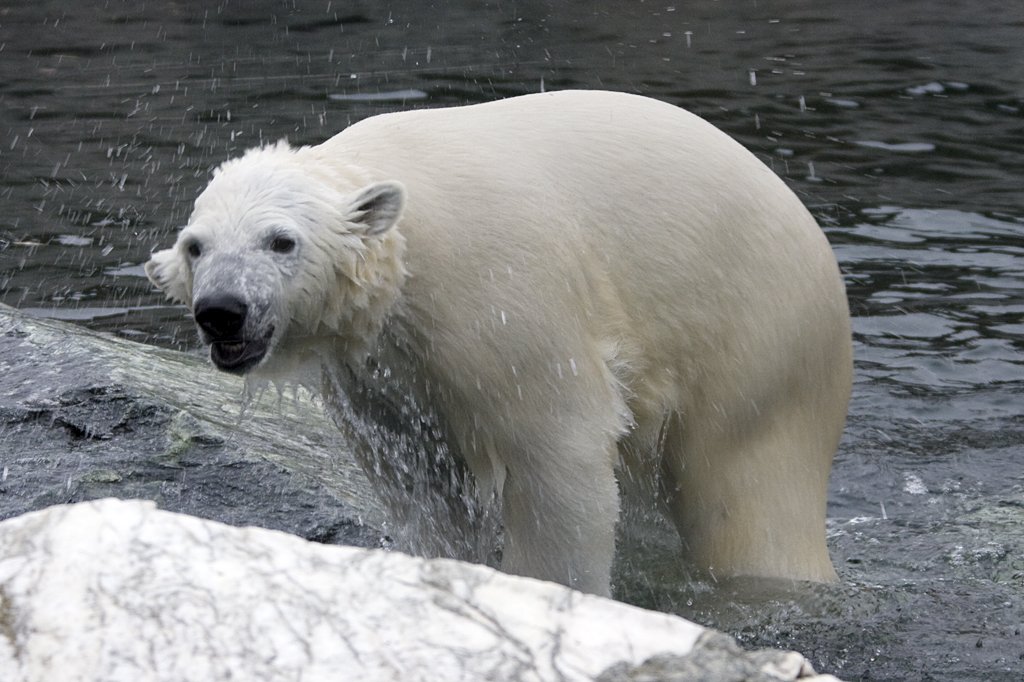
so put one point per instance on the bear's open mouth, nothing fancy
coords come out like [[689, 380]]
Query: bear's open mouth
[[239, 355]]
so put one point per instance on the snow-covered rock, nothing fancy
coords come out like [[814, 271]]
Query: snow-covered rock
[[121, 591]]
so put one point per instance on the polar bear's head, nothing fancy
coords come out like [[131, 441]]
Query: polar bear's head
[[281, 256]]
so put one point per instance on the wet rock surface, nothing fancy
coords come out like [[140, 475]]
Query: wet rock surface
[[85, 416], [716, 657]]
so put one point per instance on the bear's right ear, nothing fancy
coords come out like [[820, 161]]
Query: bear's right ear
[[166, 271], [376, 208]]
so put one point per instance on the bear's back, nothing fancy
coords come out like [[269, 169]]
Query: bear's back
[[622, 175]]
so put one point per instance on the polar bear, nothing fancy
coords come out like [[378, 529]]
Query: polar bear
[[548, 290]]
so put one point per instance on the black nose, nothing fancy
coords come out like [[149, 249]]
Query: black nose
[[220, 315]]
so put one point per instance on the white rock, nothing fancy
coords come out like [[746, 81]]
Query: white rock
[[120, 591]]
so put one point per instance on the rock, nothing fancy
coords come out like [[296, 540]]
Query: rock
[[86, 415], [119, 590]]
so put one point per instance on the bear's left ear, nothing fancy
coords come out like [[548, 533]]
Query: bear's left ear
[[376, 208], [164, 269]]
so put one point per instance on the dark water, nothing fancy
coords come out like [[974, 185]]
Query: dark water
[[901, 125]]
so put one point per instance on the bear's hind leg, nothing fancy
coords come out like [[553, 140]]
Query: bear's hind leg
[[752, 504]]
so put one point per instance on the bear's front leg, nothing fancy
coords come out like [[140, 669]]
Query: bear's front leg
[[560, 504]]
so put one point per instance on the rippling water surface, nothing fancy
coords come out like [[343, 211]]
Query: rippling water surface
[[901, 125]]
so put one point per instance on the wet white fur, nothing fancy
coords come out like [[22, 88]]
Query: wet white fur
[[579, 282]]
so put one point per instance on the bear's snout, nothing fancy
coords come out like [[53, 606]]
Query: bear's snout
[[222, 319], [221, 316]]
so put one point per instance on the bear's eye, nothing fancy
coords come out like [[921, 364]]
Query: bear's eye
[[282, 244], [194, 250]]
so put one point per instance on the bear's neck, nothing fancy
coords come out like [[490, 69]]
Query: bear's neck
[[371, 282]]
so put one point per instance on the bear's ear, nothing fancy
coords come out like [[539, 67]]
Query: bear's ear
[[376, 208], [166, 271]]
